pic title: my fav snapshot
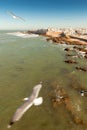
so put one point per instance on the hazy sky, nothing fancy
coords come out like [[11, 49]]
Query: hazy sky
[[43, 13]]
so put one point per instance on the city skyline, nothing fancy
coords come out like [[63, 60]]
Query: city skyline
[[43, 14]]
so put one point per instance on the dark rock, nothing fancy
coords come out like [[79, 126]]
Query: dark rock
[[75, 47], [39, 31], [83, 49], [69, 55], [85, 56], [67, 49], [70, 61], [81, 68]]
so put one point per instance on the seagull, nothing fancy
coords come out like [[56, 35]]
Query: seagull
[[15, 16], [32, 100], [83, 92]]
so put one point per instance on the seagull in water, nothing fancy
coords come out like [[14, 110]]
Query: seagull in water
[[32, 100], [15, 16], [83, 92]]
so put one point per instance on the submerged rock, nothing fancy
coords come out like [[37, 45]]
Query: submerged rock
[[70, 61], [83, 49], [71, 56], [81, 68], [60, 97], [85, 56], [77, 120], [67, 49]]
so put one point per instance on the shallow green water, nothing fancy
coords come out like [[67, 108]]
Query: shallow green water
[[23, 64]]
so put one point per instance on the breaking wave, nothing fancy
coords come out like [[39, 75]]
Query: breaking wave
[[23, 35]]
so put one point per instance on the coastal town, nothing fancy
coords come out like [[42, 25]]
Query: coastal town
[[64, 35]]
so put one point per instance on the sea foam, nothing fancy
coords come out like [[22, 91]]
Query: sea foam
[[23, 35]]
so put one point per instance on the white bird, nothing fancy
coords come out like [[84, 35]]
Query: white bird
[[15, 16], [83, 92], [32, 100]]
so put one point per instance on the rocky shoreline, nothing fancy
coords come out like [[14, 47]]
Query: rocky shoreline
[[77, 38], [67, 39], [72, 37]]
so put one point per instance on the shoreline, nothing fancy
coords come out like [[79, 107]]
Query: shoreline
[[63, 36]]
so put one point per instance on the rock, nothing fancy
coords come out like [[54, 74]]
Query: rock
[[60, 97], [70, 61], [83, 49], [78, 120], [81, 68], [67, 49], [69, 55], [85, 56]]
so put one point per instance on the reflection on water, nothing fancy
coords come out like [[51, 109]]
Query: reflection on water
[[26, 62]]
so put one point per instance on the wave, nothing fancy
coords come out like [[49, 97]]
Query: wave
[[23, 35]]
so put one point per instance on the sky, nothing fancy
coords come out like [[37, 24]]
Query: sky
[[43, 14]]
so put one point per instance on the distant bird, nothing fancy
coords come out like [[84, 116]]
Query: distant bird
[[15, 16], [83, 92], [32, 100]]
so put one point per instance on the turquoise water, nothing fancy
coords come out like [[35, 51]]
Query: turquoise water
[[24, 62]]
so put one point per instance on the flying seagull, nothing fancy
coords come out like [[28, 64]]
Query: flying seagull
[[32, 100], [15, 16]]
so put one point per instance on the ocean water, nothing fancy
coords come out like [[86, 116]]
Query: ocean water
[[24, 62]]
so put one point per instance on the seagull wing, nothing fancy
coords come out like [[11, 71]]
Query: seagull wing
[[38, 101], [20, 18], [11, 13], [36, 90]]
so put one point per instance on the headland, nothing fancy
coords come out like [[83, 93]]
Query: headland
[[64, 35]]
